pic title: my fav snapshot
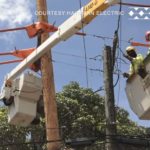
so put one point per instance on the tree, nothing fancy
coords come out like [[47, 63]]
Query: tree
[[81, 111], [81, 114], [15, 137], [10, 134], [126, 126]]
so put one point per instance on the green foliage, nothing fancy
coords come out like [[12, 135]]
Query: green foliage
[[126, 126], [81, 114], [83, 111], [15, 137], [10, 134]]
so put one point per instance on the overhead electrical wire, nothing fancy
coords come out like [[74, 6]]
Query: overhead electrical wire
[[134, 4], [29, 143], [119, 68], [68, 54], [119, 17], [103, 37], [73, 65], [119, 27], [84, 46], [76, 56], [119, 138], [116, 43], [122, 61], [82, 67]]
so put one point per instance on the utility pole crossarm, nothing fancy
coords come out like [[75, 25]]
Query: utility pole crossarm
[[76, 22]]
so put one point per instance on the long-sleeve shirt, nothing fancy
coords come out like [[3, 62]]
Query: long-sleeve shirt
[[136, 64]]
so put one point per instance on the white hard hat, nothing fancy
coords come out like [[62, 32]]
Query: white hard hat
[[130, 48]]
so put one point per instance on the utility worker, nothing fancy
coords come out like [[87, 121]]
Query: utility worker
[[137, 62]]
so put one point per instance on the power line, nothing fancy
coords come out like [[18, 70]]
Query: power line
[[68, 54], [77, 56], [100, 89], [73, 65], [134, 4], [119, 17], [120, 68], [124, 139], [122, 61], [83, 67], [30, 143], [119, 54], [116, 44], [95, 58], [104, 37], [84, 45]]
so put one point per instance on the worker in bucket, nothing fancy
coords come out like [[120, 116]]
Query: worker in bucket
[[137, 63]]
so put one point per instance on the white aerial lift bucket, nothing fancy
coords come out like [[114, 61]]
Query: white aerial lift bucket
[[138, 93], [25, 92]]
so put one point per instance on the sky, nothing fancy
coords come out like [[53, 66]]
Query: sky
[[68, 56]]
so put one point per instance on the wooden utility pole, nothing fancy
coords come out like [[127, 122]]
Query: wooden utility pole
[[109, 100], [50, 106]]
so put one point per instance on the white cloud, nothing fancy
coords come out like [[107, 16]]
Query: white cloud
[[15, 12]]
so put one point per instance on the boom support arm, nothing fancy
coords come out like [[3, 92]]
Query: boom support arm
[[76, 22]]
